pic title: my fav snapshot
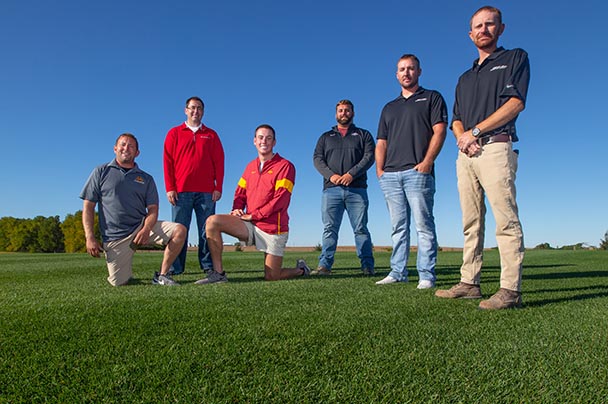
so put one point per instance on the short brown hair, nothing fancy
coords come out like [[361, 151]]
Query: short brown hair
[[129, 135], [346, 102], [410, 56], [491, 9]]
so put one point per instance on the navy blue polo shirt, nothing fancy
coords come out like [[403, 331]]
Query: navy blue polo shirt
[[122, 197], [352, 153], [486, 87], [407, 126]]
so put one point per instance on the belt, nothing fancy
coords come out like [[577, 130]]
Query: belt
[[501, 137]]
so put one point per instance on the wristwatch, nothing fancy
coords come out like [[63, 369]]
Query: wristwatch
[[476, 132]]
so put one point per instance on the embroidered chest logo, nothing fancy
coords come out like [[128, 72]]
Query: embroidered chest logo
[[421, 99], [501, 67], [139, 179]]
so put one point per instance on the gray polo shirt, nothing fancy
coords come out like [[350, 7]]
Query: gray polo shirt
[[407, 126], [122, 197]]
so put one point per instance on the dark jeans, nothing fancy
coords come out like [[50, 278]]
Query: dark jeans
[[203, 207]]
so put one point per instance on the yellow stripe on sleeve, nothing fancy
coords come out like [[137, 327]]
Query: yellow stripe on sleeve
[[284, 183], [242, 183]]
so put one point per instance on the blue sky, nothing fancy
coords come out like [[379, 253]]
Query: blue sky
[[74, 75]]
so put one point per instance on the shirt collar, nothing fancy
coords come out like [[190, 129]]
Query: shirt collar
[[497, 52], [114, 164], [418, 92]]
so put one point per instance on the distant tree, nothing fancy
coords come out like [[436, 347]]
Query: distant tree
[[40, 234], [604, 242], [6, 226], [543, 246], [73, 232], [49, 235]]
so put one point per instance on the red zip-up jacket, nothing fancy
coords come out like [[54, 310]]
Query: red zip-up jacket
[[266, 195], [194, 162]]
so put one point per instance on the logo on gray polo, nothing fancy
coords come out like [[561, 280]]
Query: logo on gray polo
[[501, 67]]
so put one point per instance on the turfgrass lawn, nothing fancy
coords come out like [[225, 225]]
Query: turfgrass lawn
[[66, 336]]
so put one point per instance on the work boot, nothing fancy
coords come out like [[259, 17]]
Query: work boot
[[460, 290], [503, 299]]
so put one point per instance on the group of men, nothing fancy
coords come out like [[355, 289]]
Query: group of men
[[411, 133]]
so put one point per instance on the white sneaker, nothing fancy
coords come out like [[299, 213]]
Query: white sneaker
[[387, 280], [425, 284]]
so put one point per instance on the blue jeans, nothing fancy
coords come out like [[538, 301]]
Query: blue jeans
[[411, 193], [333, 203], [203, 207]]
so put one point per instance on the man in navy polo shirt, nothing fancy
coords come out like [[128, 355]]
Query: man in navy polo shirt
[[410, 136], [128, 213], [489, 97], [342, 156]]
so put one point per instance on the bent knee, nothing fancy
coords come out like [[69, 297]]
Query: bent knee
[[212, 221]]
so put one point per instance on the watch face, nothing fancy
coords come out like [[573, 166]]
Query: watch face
[[475, 132]]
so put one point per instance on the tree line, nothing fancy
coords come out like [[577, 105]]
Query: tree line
[[51, 235], [44, 234]]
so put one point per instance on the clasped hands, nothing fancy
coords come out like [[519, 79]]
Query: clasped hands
[[467, 144], [345, 179]]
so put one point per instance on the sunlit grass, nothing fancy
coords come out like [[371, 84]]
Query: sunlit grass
[[67, 336]]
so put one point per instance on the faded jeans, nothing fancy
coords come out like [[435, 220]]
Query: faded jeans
[[334, 202], [411, 193]]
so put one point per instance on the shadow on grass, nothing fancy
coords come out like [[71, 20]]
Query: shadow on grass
[[583, 296], [565, 275]]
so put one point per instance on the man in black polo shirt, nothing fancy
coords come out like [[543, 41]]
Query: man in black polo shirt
[[489, 97], [410, 136], [342, 156]]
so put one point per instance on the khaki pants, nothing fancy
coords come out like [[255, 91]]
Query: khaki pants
[[119, 253], [491, 173]]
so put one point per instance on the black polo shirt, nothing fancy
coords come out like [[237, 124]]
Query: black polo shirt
[[486, 87], [352, 153], [407, 126]]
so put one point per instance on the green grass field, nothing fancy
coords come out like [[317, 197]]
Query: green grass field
[[66, 336]]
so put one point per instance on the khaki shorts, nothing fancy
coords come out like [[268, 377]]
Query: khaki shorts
[[273, 244], [119, 253]]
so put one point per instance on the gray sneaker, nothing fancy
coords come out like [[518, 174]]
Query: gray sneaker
[[165, 280], [213, 277], [301, 264]]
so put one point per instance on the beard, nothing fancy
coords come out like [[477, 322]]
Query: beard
[[344, 121]]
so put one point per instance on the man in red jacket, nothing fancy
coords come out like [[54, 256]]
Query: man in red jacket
[[194, 174], [259, 212]]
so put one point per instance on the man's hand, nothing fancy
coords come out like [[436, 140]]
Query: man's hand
[[93, 247], [172, 197], [467, 143], [216, 196], [240, 213], [345, 179], [142, 237], [424, 167], [335, 179]]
